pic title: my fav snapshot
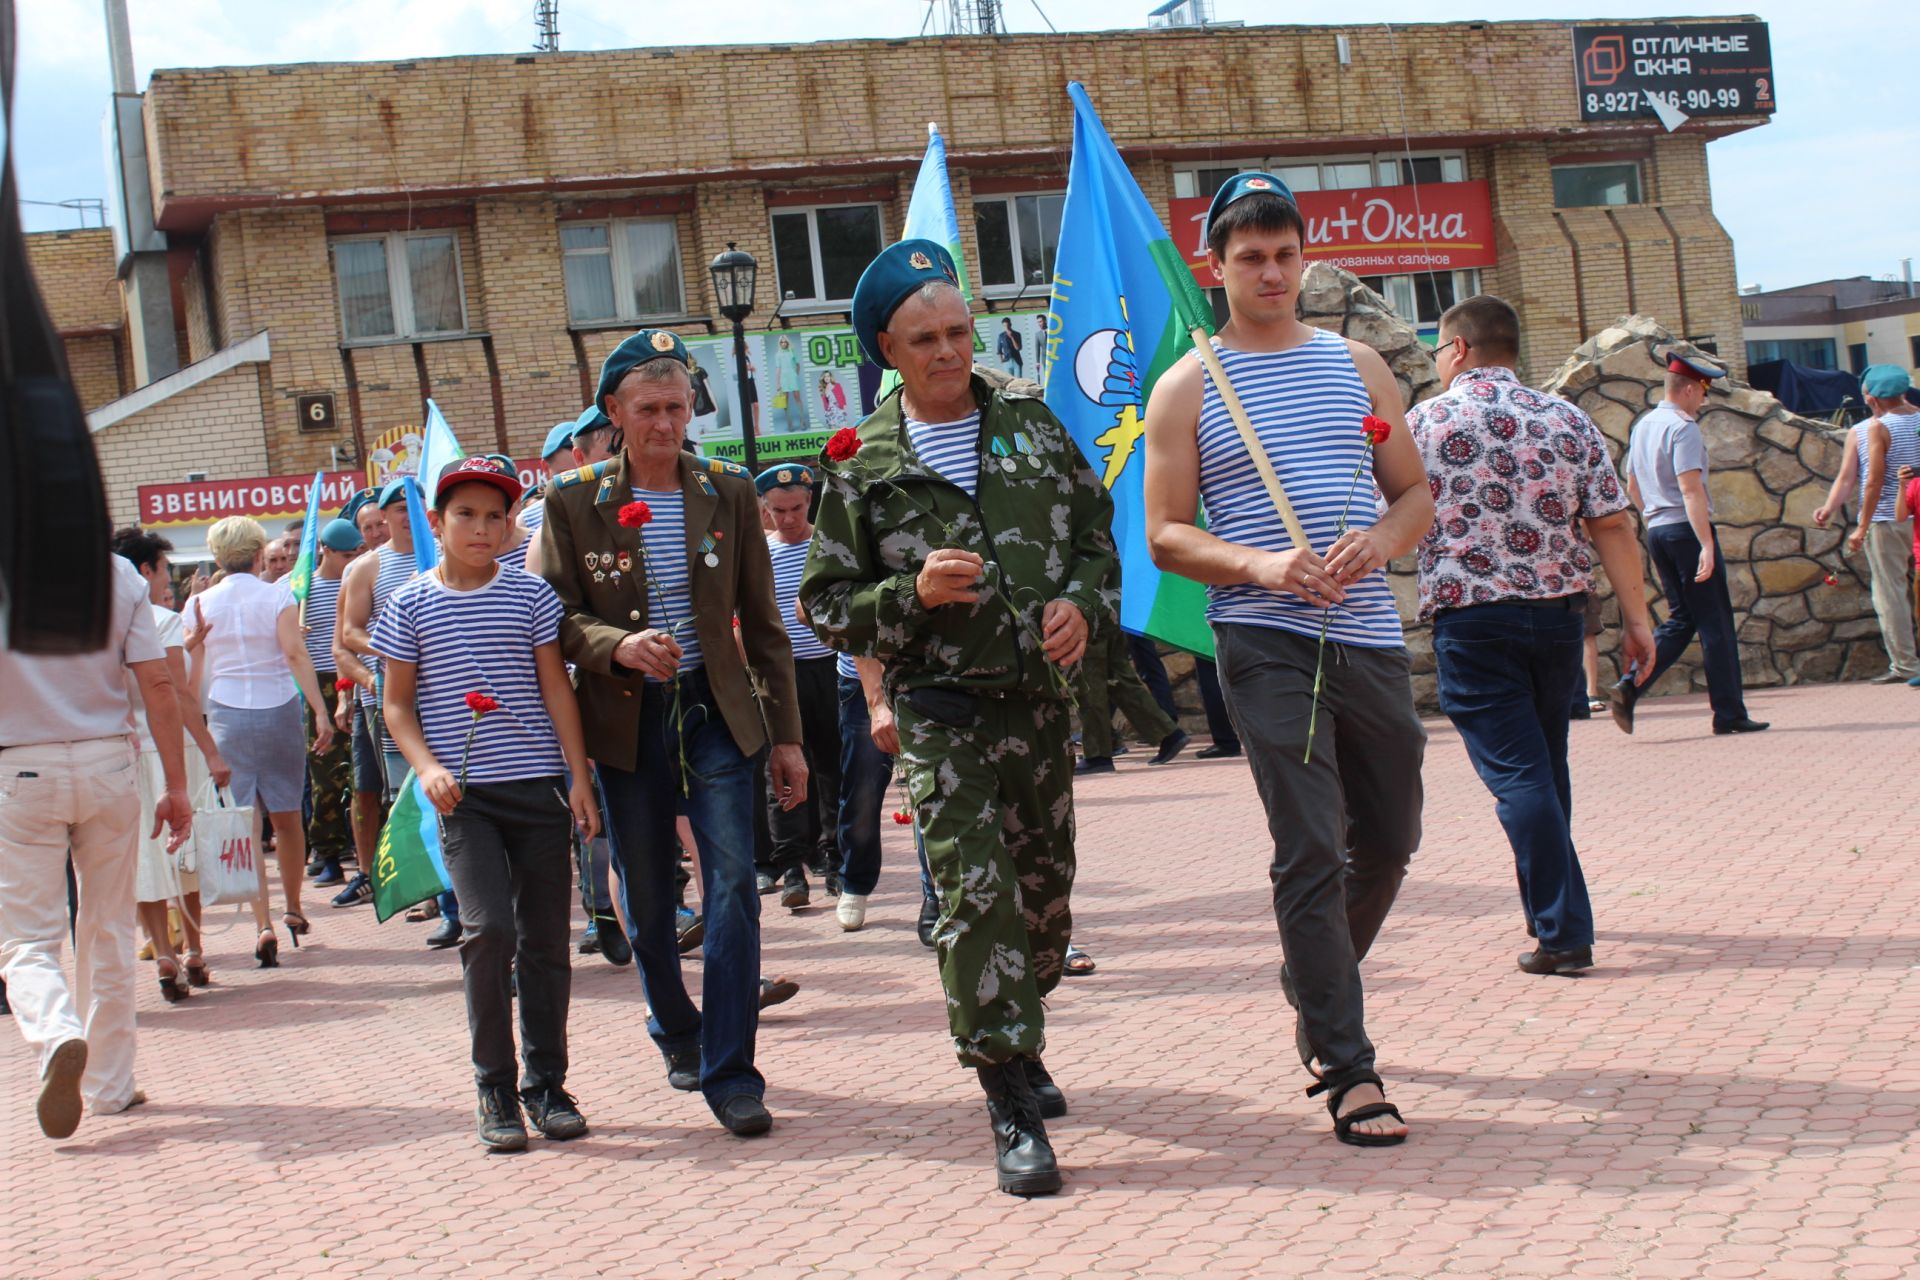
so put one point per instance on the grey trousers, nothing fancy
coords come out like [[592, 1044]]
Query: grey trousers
[[1345, 825], [508, 849]]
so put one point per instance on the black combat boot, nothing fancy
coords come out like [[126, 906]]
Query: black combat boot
[[1053, 1102], [1023, 1156]]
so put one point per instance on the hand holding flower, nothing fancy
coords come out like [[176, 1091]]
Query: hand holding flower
[[1063, 632], [948, 577]]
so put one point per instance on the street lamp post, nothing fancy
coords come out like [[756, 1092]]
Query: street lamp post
[[733, 275]]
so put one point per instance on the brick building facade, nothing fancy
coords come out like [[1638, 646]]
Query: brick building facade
[[484, 229]]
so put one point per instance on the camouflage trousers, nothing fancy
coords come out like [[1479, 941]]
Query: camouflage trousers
[[1106, 682], [329, 779], [992, 787]]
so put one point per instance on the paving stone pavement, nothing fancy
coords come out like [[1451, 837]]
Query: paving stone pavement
[[1733, 1092]]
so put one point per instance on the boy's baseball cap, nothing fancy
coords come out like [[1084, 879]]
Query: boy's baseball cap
[[483, 469]]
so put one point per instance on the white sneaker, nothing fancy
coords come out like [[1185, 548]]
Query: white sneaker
[[852, 910]]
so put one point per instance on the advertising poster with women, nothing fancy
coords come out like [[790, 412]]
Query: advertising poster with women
[[805, 384]]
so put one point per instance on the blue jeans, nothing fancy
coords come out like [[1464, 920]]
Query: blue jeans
[[719, 801], [1507, 678], [1696, 608], [865, 771]]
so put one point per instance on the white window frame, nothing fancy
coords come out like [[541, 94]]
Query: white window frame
[[812, 212], [1013, 238], [1397, 287], [400, 285], [1185, 184], [620, 263]]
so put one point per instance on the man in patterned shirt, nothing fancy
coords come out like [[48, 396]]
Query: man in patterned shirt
[[1524, 495]]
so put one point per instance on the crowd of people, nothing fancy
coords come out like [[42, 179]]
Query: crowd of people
[[673, 688]]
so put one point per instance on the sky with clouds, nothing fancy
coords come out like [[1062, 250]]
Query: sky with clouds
[[1829, 188]]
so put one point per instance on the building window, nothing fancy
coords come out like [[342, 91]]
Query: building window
[[1423, 298], [1581, 186], [624, 270], [1019, 236], [400, 285], [820, 253], [1346, 173], [1808, 353], [1857, 357], [1913, 352]]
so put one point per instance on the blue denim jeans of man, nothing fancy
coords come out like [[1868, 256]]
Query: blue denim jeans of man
[[1696, 608], [719, 801], [1508, 674], [865, 772]]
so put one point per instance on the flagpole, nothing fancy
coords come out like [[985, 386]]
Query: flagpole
[[1203, 347]]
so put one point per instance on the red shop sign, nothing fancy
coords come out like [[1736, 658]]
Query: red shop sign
[[1372, 230], [262, 498]]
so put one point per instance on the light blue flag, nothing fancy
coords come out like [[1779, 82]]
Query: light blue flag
[[426, 549], [438, 447], [300, 581], [1124, 305], [930, 214]]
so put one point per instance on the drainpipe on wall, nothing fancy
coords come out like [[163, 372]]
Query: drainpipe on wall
[[140, 247]]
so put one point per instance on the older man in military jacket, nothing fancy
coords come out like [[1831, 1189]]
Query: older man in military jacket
[[657, 556], [965, 545]]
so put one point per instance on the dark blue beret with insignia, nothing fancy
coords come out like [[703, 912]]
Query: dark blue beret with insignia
[[781, 475], [1241, 185], [889, 281], [643, 347]]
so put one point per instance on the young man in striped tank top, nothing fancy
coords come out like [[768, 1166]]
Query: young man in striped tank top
[[509, 779], [1344, 816], [807, 834], [329, 776], [1881, 446], [369, 583]]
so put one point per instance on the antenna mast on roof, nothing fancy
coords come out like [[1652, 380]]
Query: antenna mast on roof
[[546, 23], [973, 18]]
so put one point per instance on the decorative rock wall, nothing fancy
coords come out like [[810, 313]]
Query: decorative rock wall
[[1331, 298], [1768, 470]]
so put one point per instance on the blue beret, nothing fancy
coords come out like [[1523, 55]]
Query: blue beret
[[1247, 184], [889, 281], [782, 474], [340, 535], [642, 347], [1693, 367], [357, 502], [396, 491], [1885, 381], [557, 439]]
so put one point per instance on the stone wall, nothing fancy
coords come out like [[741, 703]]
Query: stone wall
[[1802, 608]]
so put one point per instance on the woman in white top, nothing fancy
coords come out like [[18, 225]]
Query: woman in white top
[[254, 663], [156, 880]]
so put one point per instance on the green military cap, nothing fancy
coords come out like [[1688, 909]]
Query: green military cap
[[642, 348], [782, 474]]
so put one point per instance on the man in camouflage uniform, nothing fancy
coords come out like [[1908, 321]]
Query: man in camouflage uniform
[[965, 546]]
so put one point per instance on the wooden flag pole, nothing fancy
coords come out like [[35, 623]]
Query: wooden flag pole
[[1203, 347]]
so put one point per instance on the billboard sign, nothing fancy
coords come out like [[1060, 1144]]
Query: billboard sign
[[1694, 69], [1371, 231]]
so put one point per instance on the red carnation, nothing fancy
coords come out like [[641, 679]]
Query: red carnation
[[1377, 429], [635, 514], [843, 444], [1832, 581], [479, 703], [902, 817], [343, 687]]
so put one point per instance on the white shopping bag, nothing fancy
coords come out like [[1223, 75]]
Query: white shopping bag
[[226, 848]]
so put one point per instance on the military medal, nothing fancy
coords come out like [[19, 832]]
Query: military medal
[[708, 554], [1007, 465], [599, 575], [625, 562]]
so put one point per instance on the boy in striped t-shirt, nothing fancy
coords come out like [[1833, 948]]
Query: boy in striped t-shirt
[[478, 700], [1344, 810]]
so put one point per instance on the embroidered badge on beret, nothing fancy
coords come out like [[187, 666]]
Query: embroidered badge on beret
[[786, 475], [920, 262], [1259, 184], [662, 341]]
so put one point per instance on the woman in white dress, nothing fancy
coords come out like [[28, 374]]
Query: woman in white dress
[[157, 881]]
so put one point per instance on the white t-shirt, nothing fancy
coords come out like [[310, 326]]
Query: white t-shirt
[[73, 699], [245, 664]]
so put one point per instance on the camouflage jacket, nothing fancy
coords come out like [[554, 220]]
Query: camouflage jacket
[[1039, 518]]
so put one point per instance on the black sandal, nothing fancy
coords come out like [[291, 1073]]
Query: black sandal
[[1336, 1086], [267, 949], [297, 924]]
